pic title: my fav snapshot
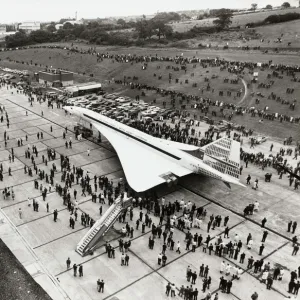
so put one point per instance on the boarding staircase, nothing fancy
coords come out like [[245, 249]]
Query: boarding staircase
[[91, 239]]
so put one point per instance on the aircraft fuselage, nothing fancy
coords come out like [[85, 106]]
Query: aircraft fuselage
[[178, 156]]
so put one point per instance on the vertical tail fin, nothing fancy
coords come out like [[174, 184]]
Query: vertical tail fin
[[224, 156]]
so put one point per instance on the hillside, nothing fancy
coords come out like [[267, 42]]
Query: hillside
[[237, 20], [290, 31]]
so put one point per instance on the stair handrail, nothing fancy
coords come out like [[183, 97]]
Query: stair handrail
[[97, 224]]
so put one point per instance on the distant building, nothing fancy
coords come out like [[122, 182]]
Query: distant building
[[59, 26], [73, 22], [30, 26], [83, 89], [87, 21], [56, 78], [2, 28]]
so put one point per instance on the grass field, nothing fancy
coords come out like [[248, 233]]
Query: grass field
[[237, 20], [107, 70], [263, 36], [270, 33]]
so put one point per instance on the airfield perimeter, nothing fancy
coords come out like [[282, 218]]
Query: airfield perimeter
[[107, 71], [43, 246]]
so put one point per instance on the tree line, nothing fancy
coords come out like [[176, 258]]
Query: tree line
[[273, 19], [133, 33]]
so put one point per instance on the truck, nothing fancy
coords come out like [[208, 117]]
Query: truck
[[85, 132]]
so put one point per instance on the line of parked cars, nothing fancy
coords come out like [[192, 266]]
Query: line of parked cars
[[14, 71], [122, 109]]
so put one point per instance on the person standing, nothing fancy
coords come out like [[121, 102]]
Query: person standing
[[126, 260], [263, 222], [68, 263], [261, 249], [159, 258], [80, 270], [265, 234], [294, 226], [248, 178], [75, 270], [20, 213], [164, 260], [289, 226], [55, 214], [123, 259], [296, 249], [168, 288], [102, 286], [98, 285], [242, 257], [194, 277], [229, 285], [178, 247], [269, 282], [249, 237]]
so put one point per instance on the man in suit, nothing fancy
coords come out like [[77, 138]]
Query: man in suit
[[102, 286]]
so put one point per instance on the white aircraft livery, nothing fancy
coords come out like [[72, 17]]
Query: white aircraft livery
[[148, 161]]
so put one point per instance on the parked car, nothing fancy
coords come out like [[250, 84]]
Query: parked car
[[260, 139]]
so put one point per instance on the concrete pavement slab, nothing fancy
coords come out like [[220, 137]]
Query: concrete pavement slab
[[103, 268], [149, 287], [45, 229]]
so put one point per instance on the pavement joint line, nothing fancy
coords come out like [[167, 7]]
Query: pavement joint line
[[10, 124], [63, 128], [157, 270], [128, 285], [134, 282], [41, 141], [234, 212], [29, 135], [8, 148], [36, 258], [56, 239], [137, 237], [235, 296], [100, 254], [153, 269], [4, 123], [258, 275], [18, 169], [59, 172], [82, 202], [41, 217], [50, 215], [21, 156], [18, 129], [15, 203], [199, 247], [55, 123], [208, 203], [51, 192]]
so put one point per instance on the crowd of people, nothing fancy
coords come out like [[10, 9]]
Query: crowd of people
[[181, 215]]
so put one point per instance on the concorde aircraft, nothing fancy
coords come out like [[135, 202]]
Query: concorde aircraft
[[148, 161]]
